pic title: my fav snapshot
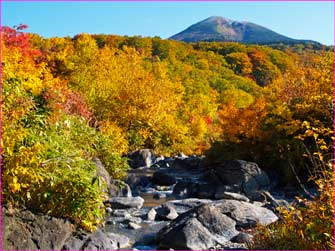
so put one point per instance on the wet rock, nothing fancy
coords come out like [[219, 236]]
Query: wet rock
[[151, 214], [200, 228], [206, 191], [141, 158], [136, 220], [118, 188], [184, 205], [134, 226], [162, 178], [184, 189], [124, 202], [166, 212], [135, 181], [245, 214], [231, 196]]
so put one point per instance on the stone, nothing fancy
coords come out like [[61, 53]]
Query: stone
[[23, 230], [102, 172], [120, 240], [231, 196], [134, 180], [125, 202], [162, 178], [141, 158], [245, 214], [184, 205], [246, 175], [166, 212], [151, 214], [118, 188], [243, 238], [206, 191], [184, 189], [134, 226], [198, 229]]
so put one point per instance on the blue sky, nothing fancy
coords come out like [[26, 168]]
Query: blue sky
[[302, 20]]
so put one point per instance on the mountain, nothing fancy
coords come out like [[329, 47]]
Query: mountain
[[222, 29]]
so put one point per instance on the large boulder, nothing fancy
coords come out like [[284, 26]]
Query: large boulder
[[23, 230], [166, 212], [125, 202], [245, 214], [163, 178], [99, 240], [141, 158], [200, 228], [246, 175]]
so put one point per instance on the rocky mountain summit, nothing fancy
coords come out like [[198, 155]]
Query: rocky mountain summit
[[221, 29]]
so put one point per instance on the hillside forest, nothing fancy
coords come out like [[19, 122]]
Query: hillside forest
[[66, 100]]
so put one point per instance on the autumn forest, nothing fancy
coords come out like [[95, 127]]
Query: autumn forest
[[66, 100]]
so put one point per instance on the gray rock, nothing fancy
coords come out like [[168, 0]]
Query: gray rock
[[141, 158], [136, 220], [166, 212], [206, 191], [134, 226], [231, 196], [101, 172], [243, 238], [125, 202], [151, 214], [245, 214], [121, 241], [197, 229], [98, 241], [162, 178], [229, 246], [184, 205], [246, 175], [23, 230]]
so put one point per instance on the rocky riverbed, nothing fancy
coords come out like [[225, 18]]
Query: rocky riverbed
[[166, 203]]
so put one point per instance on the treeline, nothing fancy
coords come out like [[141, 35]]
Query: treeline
[[67, 100]]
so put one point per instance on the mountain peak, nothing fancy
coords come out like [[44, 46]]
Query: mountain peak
[[217, 28]]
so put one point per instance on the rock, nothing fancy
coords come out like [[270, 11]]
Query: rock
[[198, 229], [109, 210], [98, 240], [134, 226], [181, 155], [151, 214], [257, 196], [206, 191], [159, 196], [101, 171], [141, 158], [119, 189], [220, 190], [246, 175], [162, 178], [23, 230], [243, 238], [184, 205], [231, 196], [245, 214], [121, 241], [135, 181], [125, 202], [136, 220], [166, 212], [229, 246], [184, 189]]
